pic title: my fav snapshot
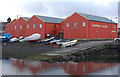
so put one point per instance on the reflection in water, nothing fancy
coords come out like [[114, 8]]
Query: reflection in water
[[44, 68], [84, 68]]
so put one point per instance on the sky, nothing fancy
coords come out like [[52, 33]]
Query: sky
[[57, 8]]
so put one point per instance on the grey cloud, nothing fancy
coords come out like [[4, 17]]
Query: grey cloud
[[63, 9], [66, 8], [34, 7]]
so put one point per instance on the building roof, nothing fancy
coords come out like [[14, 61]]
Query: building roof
[[26, 18], [50, 19], [96, 18]]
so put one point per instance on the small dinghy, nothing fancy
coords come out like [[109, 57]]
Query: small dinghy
[[60, 42], [15, 39], [46, 41], [55, 41], [3, 38], [70, 43]]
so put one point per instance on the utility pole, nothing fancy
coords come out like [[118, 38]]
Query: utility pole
[[17, 27]]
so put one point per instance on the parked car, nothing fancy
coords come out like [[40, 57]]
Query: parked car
[[117, 39]]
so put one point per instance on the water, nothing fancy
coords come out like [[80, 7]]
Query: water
[[21, 67]]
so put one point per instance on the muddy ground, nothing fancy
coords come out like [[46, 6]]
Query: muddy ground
[[23, 50]]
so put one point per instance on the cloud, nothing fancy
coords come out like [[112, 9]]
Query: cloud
[[67, 8], [61, 8], [33, 7]]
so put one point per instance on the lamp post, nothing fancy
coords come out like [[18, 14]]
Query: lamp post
[[17, 26]]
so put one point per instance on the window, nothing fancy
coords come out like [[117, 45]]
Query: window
[[75, 67], [34, 26], [83, 23], [63, 27], [27, 26], [14, 27], [84, 69], [20, 26], [67, 67], [114, 26], [75, 24], [40, 25], [7, 28], [67, 24]]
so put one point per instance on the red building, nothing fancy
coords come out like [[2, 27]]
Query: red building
[[86, 26], [76, 26], [12, 27], [43, 25], [8, 28]]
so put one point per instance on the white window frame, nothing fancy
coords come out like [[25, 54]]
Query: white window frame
[[40, 25], [114, 26], [67, 24], [20, 26], [15, 27], [27, 26], [33, 25], [75, 24], [84, 24]]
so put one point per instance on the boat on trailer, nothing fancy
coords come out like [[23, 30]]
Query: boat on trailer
[[70, 43]]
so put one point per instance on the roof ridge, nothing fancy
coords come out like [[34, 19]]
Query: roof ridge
[[96, 18], [92, 15], [49, 16], [26, 18]]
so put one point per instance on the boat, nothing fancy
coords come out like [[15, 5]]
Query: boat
[[15, 39], [70, 43], [5, 37], [55, 41], [60, 42], [46, 41], [32, 38]]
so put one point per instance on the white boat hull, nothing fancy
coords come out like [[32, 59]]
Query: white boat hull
[[33, 37], [70, 43], [55, 41]]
